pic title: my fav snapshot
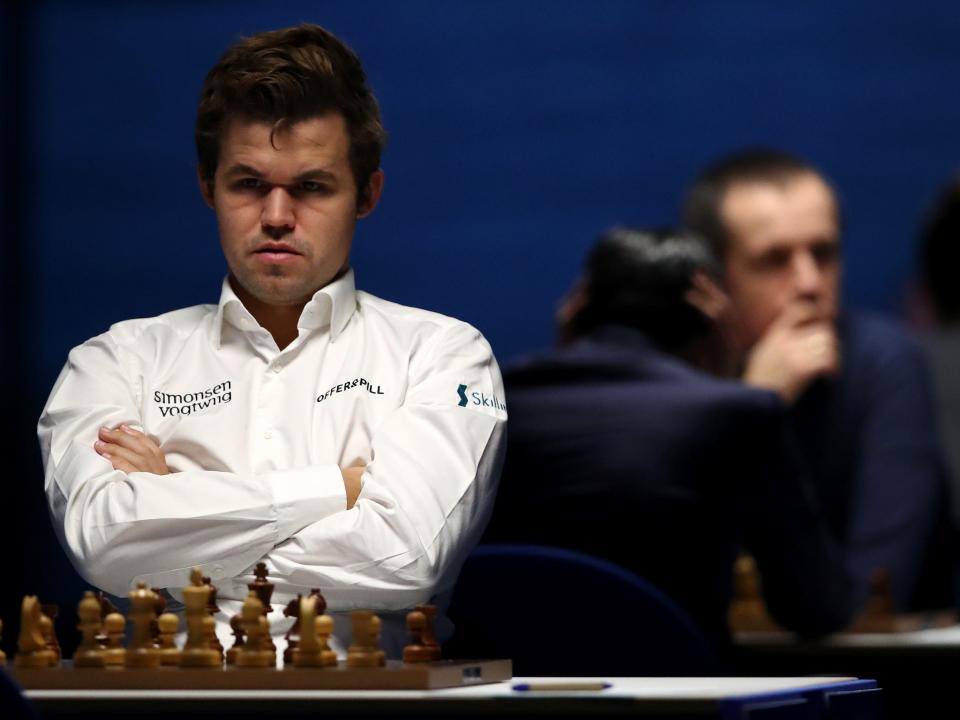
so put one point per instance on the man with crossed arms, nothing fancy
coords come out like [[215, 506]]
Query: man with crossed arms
[[339, 438]]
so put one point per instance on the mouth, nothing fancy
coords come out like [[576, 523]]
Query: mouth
[[275, 253]]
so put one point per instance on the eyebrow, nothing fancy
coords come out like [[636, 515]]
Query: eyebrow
[[313, 174]]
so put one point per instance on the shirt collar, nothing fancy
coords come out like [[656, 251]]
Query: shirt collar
[[331, 306]]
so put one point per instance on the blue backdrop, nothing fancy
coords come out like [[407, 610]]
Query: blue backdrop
[[518, 130]]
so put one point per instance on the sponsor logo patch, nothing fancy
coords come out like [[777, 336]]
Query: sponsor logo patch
[[173, 404], [479, 399], [354, 384]]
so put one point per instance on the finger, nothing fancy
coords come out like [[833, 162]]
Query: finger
[[796, 314], [113, 451], [122, 465], [138, 442]]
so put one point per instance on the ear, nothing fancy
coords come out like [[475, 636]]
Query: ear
[[374, 190], [571, 305], [708, 297], [206, 188]]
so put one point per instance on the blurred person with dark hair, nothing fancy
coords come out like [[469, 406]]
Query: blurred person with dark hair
[[939, 260], [858, 387], [299, 421], [622, 446]]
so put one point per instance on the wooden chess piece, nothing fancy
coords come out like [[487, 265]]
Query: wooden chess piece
[[45, 625], [51, 610], [106, 607], [255, 652], [212, 606], [210, 632], [32, 651], [211, 627], [3, 655], [168, 624], [307, 653], [293, 634], [236, 626], [197, 651], [416, 651], [429, 638], [89, 654], [114, 655], [364, 650], [158, 609], [264, 590], [142, 653], [324, 628]]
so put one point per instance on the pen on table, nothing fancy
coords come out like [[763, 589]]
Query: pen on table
[[561, 686]]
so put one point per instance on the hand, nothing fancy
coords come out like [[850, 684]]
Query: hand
[[130, 450], [352, 482], [798, 347]]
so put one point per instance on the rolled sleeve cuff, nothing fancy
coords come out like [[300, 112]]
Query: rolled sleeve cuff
[[305, 495]]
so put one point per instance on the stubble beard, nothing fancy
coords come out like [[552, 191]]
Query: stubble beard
[[276, 286]]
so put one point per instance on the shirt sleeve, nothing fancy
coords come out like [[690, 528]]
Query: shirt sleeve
[[898, 495], [118, 528], [426, 494]]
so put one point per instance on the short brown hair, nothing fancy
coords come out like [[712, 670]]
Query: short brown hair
[[286, 76], [704, 201]]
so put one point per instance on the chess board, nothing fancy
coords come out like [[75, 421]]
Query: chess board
[[395, 676]]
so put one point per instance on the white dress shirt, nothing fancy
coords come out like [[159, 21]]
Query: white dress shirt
[[255, 438]]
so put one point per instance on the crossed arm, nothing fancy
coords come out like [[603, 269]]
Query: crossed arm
[[427, 488], [130, 450]]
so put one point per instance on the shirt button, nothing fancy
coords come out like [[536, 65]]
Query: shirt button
[[216, 572], [277, 367], [267, 435]]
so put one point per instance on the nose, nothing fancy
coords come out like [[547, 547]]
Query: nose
[[278, 217], [807, 275]]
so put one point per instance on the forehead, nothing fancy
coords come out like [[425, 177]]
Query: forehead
[[799, 209], [319, 142]]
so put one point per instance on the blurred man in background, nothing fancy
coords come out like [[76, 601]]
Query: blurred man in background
[[620, 445], [858, 387]]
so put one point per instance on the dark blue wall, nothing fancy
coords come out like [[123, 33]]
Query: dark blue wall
[[518, 131]]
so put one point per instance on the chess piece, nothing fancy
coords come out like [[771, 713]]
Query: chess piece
[[114, 655], [89, 653], [51, 610], [142, 653], [307, 652], [324, 628], [168, 624], [255, 652], [212, 606], [210, 632], [106, 607], [364, 648], [264, 590], [429, 639], [293, 634], [45, 625], [211, 626], [32, 651], [197, 652], [158, 609], [416, 651], [3, 655], [236, 626]]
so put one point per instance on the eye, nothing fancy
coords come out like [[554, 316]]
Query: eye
[[313, 186], [826, 252], [249, 183], [774, 259]]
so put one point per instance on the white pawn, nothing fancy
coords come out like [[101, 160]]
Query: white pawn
[[115, 655]]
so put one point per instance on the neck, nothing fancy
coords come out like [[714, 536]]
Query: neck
[[279, 320]]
